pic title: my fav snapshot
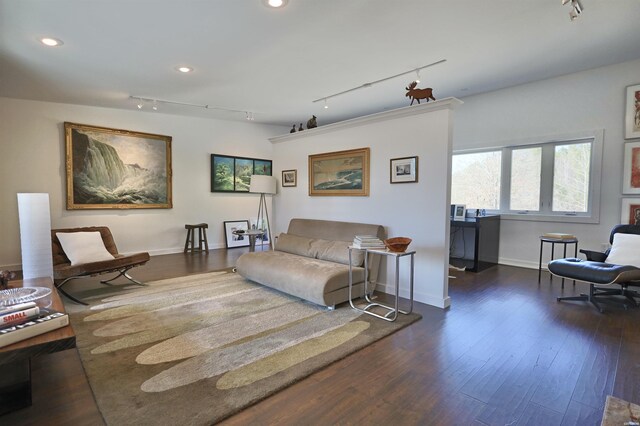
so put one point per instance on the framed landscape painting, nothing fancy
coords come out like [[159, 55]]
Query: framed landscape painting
[[632, 115], [404, 170], [117, 169], [233, 174], [234, 233], [631, 170], [630, 211], [343, 173]]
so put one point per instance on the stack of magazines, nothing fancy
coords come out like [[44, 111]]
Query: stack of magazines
[[24, 320], [367, 241]]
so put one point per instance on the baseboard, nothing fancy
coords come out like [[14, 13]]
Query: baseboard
[[417, 296], [520, 263]]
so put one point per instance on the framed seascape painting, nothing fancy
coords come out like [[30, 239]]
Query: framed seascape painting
[[117, 169], [632, 114], [343, 173], [234, 233], [233, 174], [631, 170], [630, 211], [404, 170], [289, 178]]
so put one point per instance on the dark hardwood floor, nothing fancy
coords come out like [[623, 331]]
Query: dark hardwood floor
[[505, 353]]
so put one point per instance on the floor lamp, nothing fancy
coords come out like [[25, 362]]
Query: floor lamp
[[262, 184]]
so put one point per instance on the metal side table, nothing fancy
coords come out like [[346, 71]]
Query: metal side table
[[553, 242], [393, 311]]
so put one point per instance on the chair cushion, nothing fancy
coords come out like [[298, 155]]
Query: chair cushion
[[83, 247], [593, 272], [625, 250]]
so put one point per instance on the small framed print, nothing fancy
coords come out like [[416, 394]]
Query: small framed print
[[632, 114], [404, 170], [459, 211], [630, 211], [289, 178], [631, 170], [234, 231]]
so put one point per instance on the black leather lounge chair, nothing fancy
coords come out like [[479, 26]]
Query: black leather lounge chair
[[608, 282]]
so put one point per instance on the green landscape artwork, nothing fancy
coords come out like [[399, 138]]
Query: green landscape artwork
[[233, 174]]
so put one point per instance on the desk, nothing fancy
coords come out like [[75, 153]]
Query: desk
[[479, 238], [15, 359], [392, 311]]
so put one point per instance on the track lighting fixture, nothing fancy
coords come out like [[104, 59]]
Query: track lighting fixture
[[416, 70], [576, 8], [418, 75], [326, 106], [141, 101]]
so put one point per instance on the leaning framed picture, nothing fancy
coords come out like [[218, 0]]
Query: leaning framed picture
[[343, 173], [459, 211], [631, 169], [289, 178], [404, 170], [632, 113], [117, 169], [234, 233], [630, 211]]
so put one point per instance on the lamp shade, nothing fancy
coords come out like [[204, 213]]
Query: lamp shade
[[262, 184]]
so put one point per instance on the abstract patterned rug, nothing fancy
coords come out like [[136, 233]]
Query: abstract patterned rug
[[196, 349]]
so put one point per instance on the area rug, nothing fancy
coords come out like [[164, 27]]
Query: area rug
[[196, 349]]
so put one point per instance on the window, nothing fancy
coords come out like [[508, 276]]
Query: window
[[476, 180], [555, 180]]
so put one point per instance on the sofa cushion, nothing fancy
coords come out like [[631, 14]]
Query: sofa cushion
[[294, 244], [316, 248], [83, 247]]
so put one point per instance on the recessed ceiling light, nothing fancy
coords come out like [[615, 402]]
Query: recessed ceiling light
[[185, 69], [51, 42], [275, 3]]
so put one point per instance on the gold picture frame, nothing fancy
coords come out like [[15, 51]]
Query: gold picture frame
[[117, 169], [340, 173]]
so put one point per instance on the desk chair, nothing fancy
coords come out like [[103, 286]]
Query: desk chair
[[608, 273]]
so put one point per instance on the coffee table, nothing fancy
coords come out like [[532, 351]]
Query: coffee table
[[15, 359]]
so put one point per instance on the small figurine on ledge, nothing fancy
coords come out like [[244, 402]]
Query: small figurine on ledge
[[312, 122], [300, 128], [417, 94], [5, 276], [293, 130]]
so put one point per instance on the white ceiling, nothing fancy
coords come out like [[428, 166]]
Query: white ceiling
[[274, 63]]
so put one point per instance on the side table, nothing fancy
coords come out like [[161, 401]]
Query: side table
[[252, 234], [553, 242], [392, 313]]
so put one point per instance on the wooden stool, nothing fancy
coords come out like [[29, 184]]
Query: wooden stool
[[202, 238]]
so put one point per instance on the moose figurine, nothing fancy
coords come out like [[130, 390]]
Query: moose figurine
[[417, 94]]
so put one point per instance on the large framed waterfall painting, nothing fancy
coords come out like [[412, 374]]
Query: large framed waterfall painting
[[117, 169], [340, 173]]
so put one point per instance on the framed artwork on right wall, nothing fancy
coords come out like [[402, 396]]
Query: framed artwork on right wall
[[631, 170], [632, 114], [630, 211]]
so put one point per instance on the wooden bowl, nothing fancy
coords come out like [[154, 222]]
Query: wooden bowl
[[397, 244]]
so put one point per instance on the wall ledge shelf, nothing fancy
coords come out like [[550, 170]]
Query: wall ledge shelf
[[442, 104]]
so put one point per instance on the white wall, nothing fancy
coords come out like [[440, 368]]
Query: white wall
[[32, 149], [587, 100], [416, 210]]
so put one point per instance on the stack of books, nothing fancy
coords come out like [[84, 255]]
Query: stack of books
[[367, 241], [559, 236], [24, 320]]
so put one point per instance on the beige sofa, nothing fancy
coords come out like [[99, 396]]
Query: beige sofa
[[311, 261]]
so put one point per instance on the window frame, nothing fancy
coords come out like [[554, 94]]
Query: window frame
[[546, 214]]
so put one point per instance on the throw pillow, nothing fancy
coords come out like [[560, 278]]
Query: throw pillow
[[625, 250], [337, 251], [83, 247], [294, 244]]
